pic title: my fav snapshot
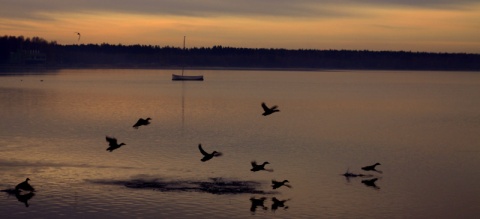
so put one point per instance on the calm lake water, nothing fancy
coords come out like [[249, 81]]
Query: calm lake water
[[423, 127]]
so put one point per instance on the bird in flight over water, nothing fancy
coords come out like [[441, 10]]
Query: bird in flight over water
[[112, 143], [206, 155], [277, 184], [371, 168], [269, 110], [141, 122], [78, 35], [257, 167]]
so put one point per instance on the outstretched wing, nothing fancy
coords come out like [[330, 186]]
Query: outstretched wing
[[254, 163], [138, 123], [274, 107], [201, 150], [111, 140], [265, 107]]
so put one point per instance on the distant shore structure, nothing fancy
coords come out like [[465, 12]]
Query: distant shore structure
[[78, 33]]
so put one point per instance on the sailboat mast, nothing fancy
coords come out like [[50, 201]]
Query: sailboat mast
[[183, 51]]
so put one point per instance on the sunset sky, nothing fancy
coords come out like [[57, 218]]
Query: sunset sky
[[407, 25]]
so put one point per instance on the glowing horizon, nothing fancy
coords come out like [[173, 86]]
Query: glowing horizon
[[304, 25]]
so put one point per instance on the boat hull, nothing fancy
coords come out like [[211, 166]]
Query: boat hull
[[187, 77]]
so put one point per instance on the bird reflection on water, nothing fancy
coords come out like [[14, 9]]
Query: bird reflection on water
[[257, 202], [279, 204], [349, 175], [367, 182], [19, 190], [371, 183], [260, 203], [24, 198]]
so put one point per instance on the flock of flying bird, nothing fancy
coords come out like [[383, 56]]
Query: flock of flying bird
[[113, 145]]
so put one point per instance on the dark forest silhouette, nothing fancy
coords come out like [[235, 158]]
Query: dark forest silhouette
[[24, 52]]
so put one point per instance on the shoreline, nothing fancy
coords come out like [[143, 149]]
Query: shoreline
[[44, 68]]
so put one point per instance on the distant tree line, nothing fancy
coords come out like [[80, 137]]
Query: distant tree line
[[21, 51]]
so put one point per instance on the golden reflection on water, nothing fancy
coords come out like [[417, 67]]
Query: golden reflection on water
[[422, 127]]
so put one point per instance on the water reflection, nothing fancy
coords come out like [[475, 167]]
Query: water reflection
[[349, 175], [24, 197], [367, 182], [257, 203], [371, 183], [21, 197], [217, 186], [351, 117], [279, 204], [183, 105], [15, 164]]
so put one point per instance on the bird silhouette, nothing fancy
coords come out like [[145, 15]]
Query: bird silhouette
[[257, 202], [141, 122], [278, 184], [371, 168], [78, 35], [269, 110], [112, 143], [257, 167], [278, 204], [371, 183], [206, 155], [25, 186]]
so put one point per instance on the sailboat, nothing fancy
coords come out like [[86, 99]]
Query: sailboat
[[186, 77]]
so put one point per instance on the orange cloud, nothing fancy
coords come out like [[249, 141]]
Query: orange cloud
[[359, 27]]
